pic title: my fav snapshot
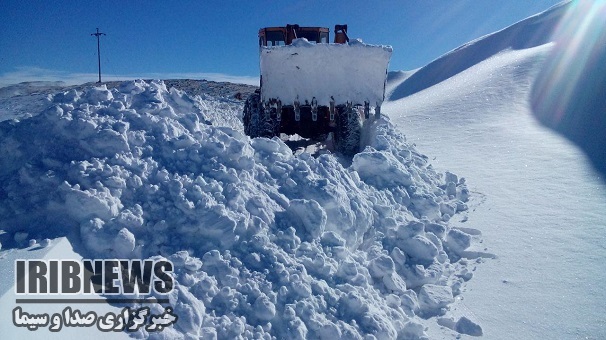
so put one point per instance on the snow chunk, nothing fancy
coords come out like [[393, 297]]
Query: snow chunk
[[381, 266], [307, 216], [330, 238], [380, 169], [433, 298], [458, 241], [96, 95], [265, 310], [124, 243], [84, 204], [466, 326]]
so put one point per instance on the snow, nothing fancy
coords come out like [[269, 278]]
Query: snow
[[542, 204], [297, 65], [432, 298], [528, 33], [59, 248], [272, 242]]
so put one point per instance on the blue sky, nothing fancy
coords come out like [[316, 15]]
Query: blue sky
[[49, 40]]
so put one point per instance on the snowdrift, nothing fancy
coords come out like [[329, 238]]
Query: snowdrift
[[297, 65], [265, 243]]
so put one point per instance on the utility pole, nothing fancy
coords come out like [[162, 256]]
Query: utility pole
[[98, 34]]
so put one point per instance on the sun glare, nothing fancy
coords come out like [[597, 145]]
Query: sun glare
[[569, 93], [579, 44]]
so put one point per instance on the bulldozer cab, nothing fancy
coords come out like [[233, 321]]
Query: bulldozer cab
[[280, 36], [341, 34]]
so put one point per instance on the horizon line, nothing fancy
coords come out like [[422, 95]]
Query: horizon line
[[28, 74]]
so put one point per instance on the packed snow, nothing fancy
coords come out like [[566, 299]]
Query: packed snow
[[297, 66], [265, 243]]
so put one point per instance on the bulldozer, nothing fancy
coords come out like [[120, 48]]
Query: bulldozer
[[313, 88]]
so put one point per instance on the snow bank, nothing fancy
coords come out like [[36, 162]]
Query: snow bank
[[307, 70], [264, 243]]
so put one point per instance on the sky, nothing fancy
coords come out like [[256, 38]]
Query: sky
[[217, 40]]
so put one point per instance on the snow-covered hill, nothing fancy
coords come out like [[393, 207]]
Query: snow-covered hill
[[528, 33], [544, 209]]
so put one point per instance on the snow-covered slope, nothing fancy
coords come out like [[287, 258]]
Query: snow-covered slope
[[543, 213], [531, 32]]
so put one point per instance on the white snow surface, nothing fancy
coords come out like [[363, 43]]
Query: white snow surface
[[543, 211], [265, 243], [544, 207], [304, 70], [59, 248]]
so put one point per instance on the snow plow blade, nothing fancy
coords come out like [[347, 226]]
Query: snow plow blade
[[352, 73]]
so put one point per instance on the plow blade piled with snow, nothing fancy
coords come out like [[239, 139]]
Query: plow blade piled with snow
[[315, 89], [345, 73]]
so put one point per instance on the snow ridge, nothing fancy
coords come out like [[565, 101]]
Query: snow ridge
[[265, 243], [531, 32]]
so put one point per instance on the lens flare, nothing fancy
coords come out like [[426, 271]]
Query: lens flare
[[569, 94]]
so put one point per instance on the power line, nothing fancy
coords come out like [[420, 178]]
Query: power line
[[98, 34]]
